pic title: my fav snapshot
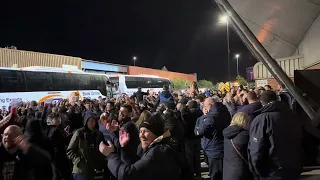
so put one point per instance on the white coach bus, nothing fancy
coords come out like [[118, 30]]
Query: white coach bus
[[43, 84], [128, 84]]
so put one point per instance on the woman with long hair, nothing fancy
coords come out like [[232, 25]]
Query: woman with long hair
[[236, 139]]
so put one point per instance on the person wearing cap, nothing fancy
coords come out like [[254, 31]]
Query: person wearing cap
[[159, 159], [83, 149]]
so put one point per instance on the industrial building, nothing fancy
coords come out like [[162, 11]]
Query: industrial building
[[19, 58]]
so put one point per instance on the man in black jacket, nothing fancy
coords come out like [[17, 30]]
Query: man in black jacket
[[139, 95], [20, 160], [275, 144], [192, 143]]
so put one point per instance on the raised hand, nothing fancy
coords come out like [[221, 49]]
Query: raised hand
[[113, 126], [22, 143], [123, 137]]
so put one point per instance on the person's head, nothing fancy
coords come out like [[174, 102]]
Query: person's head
[[90, 121], [267, 87], [33, 104], [55, 110], [143, 116], [54, 119], [87, 104], [106, 118], [9, 136], [261, 89], [102, 107], [268, 97], [208, 104], [110, 106], [165, 88], [4, 109], [139, 89], [150, 129], [180, 106], [192, 104], [199, 99], [170, 105], [240, 119], [281, 87], [125, 112], [252, 97], [258, 92]]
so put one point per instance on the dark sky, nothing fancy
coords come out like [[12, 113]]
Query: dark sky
[[183, 35]]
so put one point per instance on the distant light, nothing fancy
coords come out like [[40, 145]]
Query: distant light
[[224, 19], [134, 57], [237, 55]]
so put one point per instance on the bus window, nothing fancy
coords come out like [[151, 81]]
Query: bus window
[[12, 81], [38, 81]]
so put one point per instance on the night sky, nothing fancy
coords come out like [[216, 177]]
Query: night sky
[[183, 35]]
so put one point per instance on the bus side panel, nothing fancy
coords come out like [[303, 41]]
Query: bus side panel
[[54, 96]]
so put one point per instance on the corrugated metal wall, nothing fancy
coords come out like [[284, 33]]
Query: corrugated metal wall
[[134, 70], [9, 57], [288, 64]]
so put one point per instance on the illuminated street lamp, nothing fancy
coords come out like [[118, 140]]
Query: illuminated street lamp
[[134, 60], [237, 56], [225, 20]]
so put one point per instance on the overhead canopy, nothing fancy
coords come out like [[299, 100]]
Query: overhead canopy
[[280, 25]]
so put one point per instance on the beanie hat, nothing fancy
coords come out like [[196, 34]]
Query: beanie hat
[[155, 124]]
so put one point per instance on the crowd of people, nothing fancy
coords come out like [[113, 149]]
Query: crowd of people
[[244, 135]]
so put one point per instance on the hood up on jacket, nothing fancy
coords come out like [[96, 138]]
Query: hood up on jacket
[[232, 131], [87, 117]]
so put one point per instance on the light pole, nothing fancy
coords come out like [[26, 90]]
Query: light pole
[[237, 56], [225, 20], [134, 60]]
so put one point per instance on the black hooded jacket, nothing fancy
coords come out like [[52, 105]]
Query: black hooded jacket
[[160, 161], [234, 167], [275, 145]]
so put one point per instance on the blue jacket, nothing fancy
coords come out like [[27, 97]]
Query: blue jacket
[[211, 127], [165, 97]]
